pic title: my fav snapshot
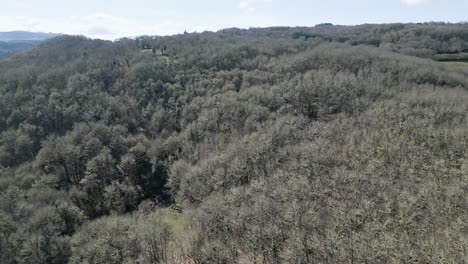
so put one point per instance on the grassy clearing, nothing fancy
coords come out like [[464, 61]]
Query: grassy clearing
[[456, 63], [463, 56], [151, 51], [174, 220]]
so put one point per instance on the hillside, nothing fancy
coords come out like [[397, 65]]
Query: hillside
[[14, 41], [329, 144], [25, 35]]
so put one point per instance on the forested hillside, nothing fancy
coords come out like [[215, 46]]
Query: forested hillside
[[329, 144]]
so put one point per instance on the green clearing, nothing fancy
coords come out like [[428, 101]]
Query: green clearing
[[456, 63], [155, 52], [458, 59], [160, 54], [463, 56]]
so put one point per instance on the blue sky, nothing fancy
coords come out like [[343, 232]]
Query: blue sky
[[111, 19]]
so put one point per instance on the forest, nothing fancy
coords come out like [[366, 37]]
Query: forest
[[325, 144]]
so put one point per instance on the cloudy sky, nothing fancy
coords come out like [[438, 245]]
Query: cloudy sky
[[111, 19]]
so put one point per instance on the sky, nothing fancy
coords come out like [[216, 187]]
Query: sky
[[112, 19]]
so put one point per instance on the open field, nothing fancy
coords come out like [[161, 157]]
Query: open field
[[456, 63], [155, 51], [462, 56]]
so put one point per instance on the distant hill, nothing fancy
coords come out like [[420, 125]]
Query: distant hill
[[25, 35], [14, 41]]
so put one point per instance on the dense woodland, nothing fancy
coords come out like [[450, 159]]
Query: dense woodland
[[329, 144]]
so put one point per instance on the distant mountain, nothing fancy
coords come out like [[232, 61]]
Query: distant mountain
[[14, 41], [25, 35]]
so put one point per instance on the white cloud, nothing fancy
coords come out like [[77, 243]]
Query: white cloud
[[248, 5], [21, 5], [414, 2], [110, 27], [244, 4], [100, 25], [107, 26]]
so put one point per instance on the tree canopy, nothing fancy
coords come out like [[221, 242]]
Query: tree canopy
[[331, 144]]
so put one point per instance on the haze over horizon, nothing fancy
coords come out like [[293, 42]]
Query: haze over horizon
[[115, 19]]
